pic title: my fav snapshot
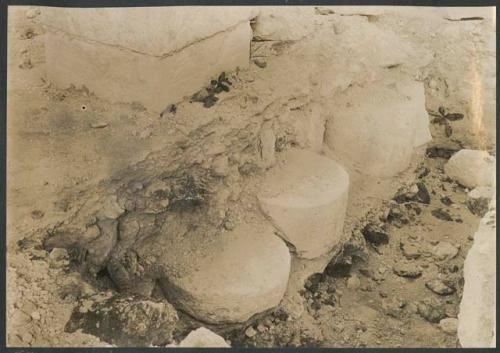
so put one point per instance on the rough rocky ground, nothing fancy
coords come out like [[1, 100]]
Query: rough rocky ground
[[377, 297], [373, 304]]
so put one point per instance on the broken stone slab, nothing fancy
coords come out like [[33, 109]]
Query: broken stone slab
[[377, 135], [476, 319], [125, 321], [203, 338], [242, 273], [472, 168], [305, 196]]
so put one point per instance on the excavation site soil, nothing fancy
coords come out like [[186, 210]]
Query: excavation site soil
[[128, 227]]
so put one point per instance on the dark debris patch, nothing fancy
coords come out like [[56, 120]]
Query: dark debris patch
[[440, 152], [125, 321], [188, 194]]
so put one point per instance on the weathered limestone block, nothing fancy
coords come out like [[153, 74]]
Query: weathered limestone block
[[476, 319], [242, 273], [472, 168], [203, 338], [121, 69], [156, 31], [375, 128], [306, 198]]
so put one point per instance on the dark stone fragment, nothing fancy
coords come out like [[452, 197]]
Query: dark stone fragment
[[439, 287], [223, 87], [316, 305], [329, 300], [312, 283], [422, 172], [440, 152], [442, 215], [375, 234], [448, 130], [479, 206], [423, 194], [431, 311], [446, 201], [340, 268], [209, 101], [280, 314], [222, 77]]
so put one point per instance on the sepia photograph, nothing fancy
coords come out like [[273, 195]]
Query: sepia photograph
[[251, 176]]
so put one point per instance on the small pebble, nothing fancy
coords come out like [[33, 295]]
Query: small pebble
[[449, 325], [353, 282], [27, 337], [35, 315], [250, 332], [260, 63]]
